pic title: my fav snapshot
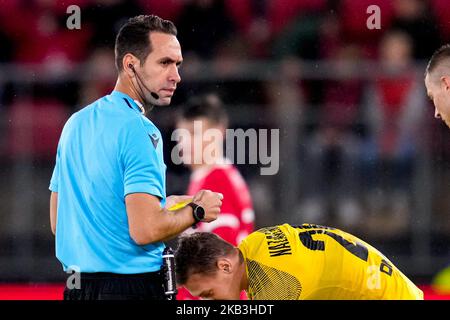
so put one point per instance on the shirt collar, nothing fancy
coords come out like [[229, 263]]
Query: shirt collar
[[136, 105]]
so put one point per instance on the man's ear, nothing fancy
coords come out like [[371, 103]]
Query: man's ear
[[224, 265], [129, 60], [445, 83]]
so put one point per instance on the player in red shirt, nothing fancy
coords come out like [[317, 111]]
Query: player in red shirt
[[203, 124]]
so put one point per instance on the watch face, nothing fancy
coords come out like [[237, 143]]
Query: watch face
[[200, 213]]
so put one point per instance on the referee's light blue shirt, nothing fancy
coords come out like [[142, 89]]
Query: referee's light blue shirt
[[106, 151]]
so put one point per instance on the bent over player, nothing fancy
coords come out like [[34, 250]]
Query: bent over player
[[306, 262]]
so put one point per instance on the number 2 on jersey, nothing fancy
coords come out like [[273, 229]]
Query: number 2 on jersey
[[307, 240]]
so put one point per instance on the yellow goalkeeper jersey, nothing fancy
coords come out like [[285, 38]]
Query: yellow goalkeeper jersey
[[316, 262]]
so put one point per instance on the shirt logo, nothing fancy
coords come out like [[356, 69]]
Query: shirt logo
[[154, 139]]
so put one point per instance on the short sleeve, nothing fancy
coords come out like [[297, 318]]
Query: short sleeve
[[142, 162], [55, 176]]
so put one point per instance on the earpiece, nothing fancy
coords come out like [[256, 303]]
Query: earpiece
[[153, 94]]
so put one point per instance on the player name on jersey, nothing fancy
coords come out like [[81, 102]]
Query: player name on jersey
[[277, 242]]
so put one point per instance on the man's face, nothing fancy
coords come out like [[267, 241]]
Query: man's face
[[218, 286], [440, 95], [204, 142], [160, 69]]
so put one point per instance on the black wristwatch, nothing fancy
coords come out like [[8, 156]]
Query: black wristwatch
[[198, 213]]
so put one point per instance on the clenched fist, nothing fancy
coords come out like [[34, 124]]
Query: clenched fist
[[210, 201]]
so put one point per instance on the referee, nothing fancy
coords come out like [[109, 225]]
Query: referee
[[108, 206]]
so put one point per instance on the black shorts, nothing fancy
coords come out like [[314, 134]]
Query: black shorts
[[113, 286]]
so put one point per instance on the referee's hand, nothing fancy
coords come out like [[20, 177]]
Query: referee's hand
[[211, 203]]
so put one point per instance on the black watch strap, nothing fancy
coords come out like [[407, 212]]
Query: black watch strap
[[195, 213]]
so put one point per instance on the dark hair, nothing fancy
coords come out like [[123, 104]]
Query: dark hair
[[133, 37], [208, 106], [198, 253], [441, 54]]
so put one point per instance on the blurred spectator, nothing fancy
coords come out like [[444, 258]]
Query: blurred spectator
[[416, 18], [441, 281], [203, 26], [166, 9], [331, 38], [296, 26], [332, 153], [441, 10], [280, 13], [201, 119], [300, 38], [35, 124], [343, 93], [262, 21], [98, 76], [7, 47], [105, 18], [243, 12], [286, 99], [393, 112], [44, 38], [353, 17]]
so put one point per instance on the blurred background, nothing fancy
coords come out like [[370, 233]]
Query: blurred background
[[359, 146]]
